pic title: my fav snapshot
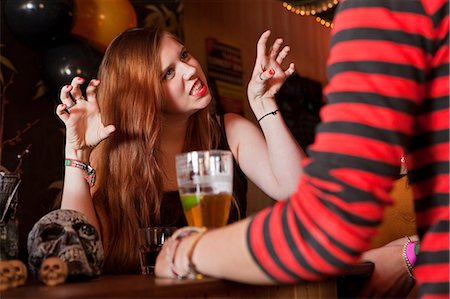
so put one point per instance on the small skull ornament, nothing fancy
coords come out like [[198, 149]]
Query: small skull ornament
[[20, 273], [53, 271], [6, 275], [68, 235]]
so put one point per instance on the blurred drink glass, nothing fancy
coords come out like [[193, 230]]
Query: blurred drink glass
[[205, 184], [9, 232], [151, 240]]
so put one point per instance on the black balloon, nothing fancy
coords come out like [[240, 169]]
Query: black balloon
[[73, 58], [328, 14], [39, 22]]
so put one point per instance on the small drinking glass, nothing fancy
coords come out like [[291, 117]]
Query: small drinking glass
[[151, 239], [205, 184]]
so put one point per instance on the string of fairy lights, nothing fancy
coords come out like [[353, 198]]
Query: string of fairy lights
[[322, 10]]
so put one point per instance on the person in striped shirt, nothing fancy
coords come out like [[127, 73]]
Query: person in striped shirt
[[388, 94]]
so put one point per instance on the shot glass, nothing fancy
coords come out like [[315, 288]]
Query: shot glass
[[151, 239]]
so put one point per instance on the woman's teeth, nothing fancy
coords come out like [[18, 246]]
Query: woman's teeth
[[197, 86]]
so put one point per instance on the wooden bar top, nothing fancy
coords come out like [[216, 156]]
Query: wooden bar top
[[140, 286]]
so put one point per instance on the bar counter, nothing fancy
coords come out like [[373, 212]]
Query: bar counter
[[139, 286]]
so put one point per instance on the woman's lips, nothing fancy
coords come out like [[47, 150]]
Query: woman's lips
[[199, 89]]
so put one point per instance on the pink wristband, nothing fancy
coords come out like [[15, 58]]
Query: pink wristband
[[410, 254]]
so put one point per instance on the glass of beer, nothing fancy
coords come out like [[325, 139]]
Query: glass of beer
[[205, 184]]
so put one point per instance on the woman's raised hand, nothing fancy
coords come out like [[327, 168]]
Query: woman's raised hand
[[84, 126], [268, 75]]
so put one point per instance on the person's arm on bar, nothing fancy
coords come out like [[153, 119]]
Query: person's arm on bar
[[221, 253]]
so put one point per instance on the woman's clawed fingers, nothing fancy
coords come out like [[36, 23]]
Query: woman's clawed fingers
[[261, 50], [76, 93], [65, 97], [67, 103], [269, 64], [106, 131], [91, 90], [81, 114], [71, 95], [268, 74], [275, 49], [61, 112], [290, 70], [282, 54]]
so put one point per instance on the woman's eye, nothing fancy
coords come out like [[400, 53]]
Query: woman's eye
[[168, 74], [184, 55]]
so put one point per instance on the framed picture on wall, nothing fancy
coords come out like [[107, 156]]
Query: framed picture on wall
[[225, 77]]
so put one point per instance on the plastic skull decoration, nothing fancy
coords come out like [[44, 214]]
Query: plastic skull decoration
[[6, 275], [53, 271], [68, 235], [20, 273]]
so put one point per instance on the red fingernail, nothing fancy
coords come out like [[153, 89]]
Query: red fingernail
[[271, 72], [67, 86]]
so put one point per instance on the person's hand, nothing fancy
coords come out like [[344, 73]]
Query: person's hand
[[84, 126], [173, 260], [174, 250], [390, 278], [268, 75], [163, 264]]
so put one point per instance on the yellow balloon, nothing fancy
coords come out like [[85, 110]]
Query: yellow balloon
[[100, 21]]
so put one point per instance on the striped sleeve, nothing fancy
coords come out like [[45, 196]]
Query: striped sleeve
[[388, 96]]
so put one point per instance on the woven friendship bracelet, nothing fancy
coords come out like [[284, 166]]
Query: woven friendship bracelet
[[90, 171], [267, 114]]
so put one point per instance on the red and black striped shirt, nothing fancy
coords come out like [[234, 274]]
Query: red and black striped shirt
[[388, 95]]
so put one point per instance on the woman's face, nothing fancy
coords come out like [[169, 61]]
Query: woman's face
[[183, 79]]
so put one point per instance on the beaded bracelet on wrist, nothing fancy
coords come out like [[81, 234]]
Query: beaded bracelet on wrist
[[90, 173], [408, 265], [177, 237]]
